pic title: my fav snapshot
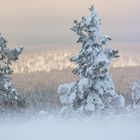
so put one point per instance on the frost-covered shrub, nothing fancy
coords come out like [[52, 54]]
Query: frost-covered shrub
[[95, 91], [134, 93], [10, 99]]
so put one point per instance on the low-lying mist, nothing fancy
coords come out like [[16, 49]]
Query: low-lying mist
[[55, 128]]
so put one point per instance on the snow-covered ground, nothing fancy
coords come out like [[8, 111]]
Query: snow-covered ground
[[50, 128]]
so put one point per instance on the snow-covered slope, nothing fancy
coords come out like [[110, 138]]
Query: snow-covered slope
[[54, 129], [59, 60]]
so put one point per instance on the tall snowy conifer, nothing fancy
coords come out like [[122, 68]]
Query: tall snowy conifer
[[95, 91], [9, 97]]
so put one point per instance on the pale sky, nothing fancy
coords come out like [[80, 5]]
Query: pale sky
[[46, 23]]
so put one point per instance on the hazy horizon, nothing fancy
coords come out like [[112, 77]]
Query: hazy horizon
[[41, 24]]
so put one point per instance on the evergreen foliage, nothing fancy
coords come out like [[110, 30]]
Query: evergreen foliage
[[95, 91], [9, 97]]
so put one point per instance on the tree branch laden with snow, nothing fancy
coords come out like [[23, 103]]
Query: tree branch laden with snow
[[9, 97], [95, 91]]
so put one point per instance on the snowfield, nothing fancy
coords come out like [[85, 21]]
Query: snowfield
[[50, 128]]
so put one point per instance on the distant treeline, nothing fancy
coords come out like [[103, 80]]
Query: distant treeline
[[40, 87]]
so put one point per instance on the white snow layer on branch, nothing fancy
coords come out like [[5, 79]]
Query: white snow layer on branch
[[95, 91]]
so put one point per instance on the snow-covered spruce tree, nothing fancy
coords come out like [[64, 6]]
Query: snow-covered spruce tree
[[134, 91], [95, 91], [9, 97]]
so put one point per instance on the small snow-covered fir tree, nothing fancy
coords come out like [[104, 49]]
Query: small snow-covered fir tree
[[95, 91], [9, 97], [134, 91]]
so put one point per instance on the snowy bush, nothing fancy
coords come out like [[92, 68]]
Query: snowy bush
[[134, 93], [9, 97], [95, 91]]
